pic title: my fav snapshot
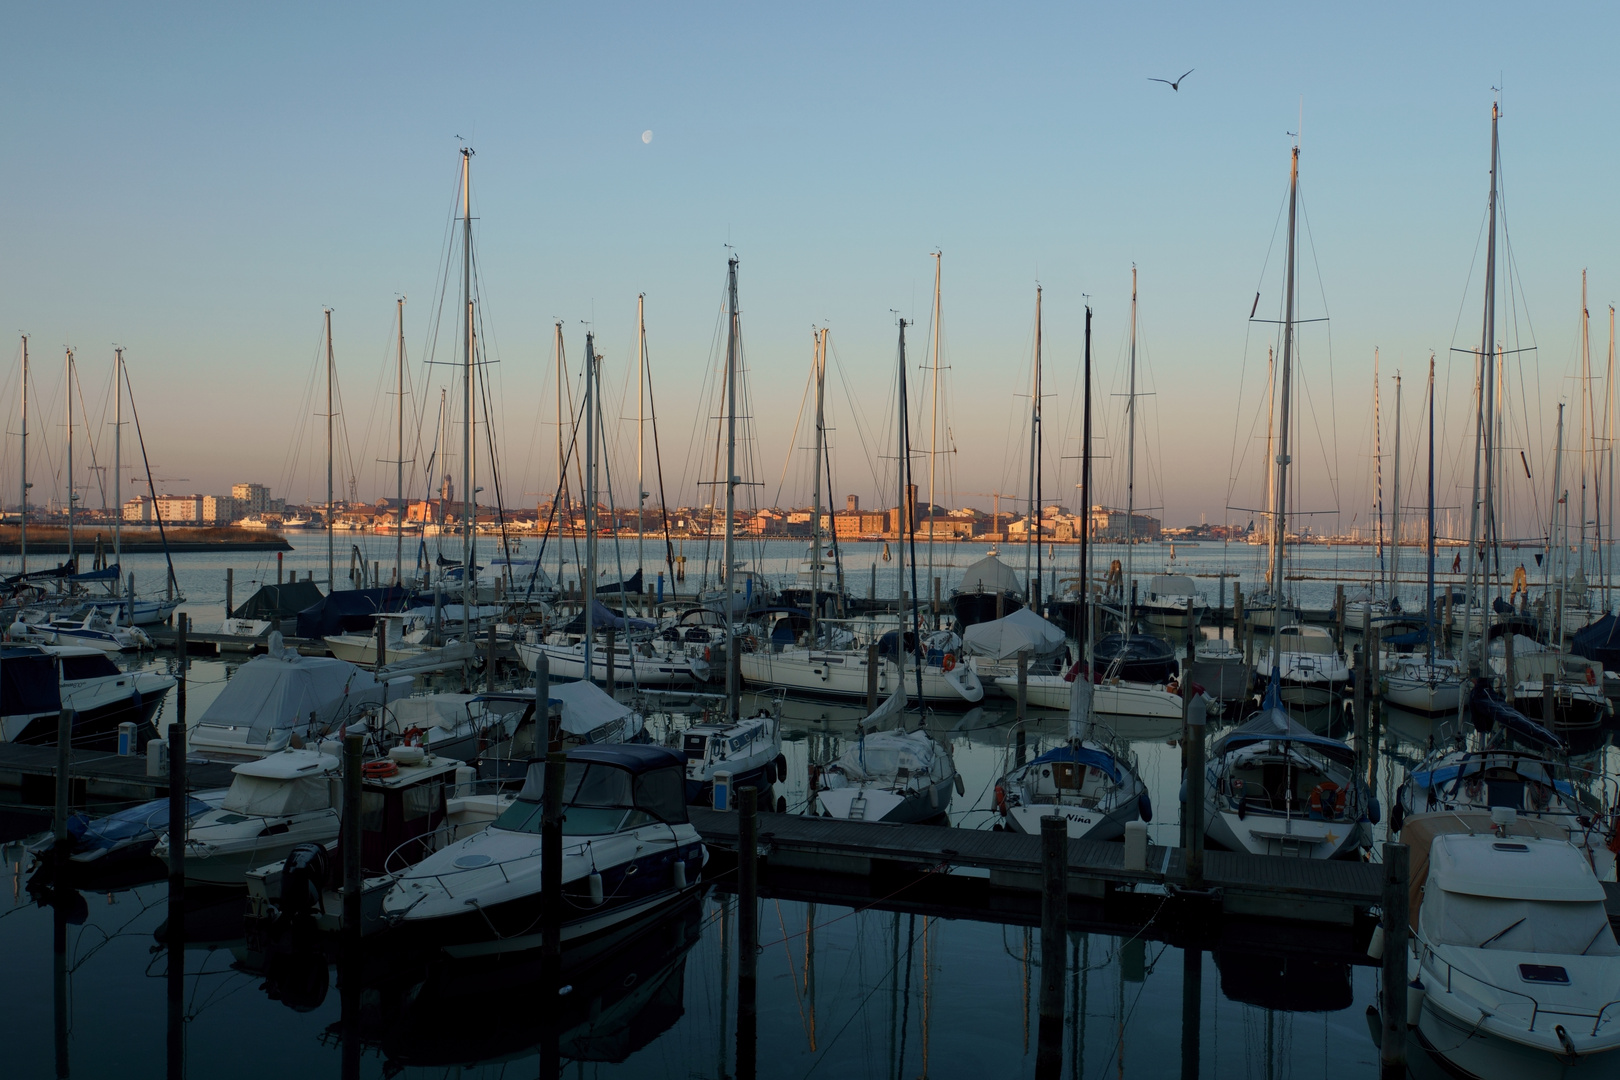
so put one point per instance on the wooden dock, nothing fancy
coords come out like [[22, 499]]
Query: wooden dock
[[97, 774], [199, 643]]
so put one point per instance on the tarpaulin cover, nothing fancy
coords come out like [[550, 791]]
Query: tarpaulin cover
[[881, 756], [350, 611], [1600, 642], [633, 584], [604, 618], [279, 601], [989, 575], [586, 708], [268, 695], [1488, 707], [1007, 637], [28, 683]]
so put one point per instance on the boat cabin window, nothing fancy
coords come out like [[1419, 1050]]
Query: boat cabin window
[[1067, 776], [420, 800], [88, 667], [599, 798]]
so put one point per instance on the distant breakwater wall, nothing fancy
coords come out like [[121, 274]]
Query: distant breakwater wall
[[52, 540]]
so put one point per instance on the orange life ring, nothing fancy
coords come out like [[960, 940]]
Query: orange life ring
[[413, 737], [380, 769], [1591, 677], [949, 663], [1172, 687]]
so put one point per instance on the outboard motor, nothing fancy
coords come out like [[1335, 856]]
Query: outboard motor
[[303, 878]]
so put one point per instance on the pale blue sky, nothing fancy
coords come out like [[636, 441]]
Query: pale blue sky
[[196, 182]]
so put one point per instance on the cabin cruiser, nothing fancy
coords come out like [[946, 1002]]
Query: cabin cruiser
[[94, 629], [38, 681], [1515, 967], [1274, 788], [1478, 781], [1094, 788], [274, 804], [1172, 605], [1312, 669], [628, 849], [749, 749], [843, 672], [283, 700], [989, 589], [895, 776]]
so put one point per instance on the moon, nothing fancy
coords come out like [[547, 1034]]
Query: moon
[[646, 136]]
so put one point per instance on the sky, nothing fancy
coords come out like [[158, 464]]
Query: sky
[[195, 183]]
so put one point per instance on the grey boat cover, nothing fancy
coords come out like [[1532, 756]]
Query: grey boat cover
[[988, 575], [1000, 639], [279, 601], [269, 694]]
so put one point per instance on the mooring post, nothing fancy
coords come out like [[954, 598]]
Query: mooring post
[[1392, 1048], [230, 588], [177, 820], [1054, 937], [747, 928], [1509, 683], [1338, 615], [1186, 719], [353, 748], [1193, 812], [1022, 696], [64, 762], [1192, 1010], [551, 856], [278, 566], [871, 590], [1237, 617], [382, 644], [1547, 701], [1359, 717], [542, 705], [489, 660], [180, 638], [871, 677]]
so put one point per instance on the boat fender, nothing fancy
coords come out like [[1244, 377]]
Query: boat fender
[[1375, 944], [961, 788], [595, 884], [1001, 800], [680, 873], [1415, 992], [1144, 806], [1591, 677], [949, 663], [1375, 812], [781, 767], [1397, 817]]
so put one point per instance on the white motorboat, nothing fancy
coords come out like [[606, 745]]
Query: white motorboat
[[42, 680], [1515, 965], [1094, 787], [1274, 788], [1536, 788], [1311, 668], [274, 699], [274, 804], [628, 849], [844, 672], [1172, 605], [750, 749], [1579, 703], [362, 648], [628, 663], [893, 775], [1218, 667], [993, 647], [94, 629]]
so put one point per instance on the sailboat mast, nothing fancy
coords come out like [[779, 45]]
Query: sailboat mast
[[589, 584], [399, 453], [331, 557], [1586, 411], [67, 384], [562, 470], [820, 361], [23, 534], [1284, 394], [1605, 555], [1080, 623], [933, 433], [641, 424], [733, 691], [1378, 476], [469, 498], [1486, 410], [1127, 586], [1035, 457], [1271, 472], [905, 525], [1558, 557], [1429, 606], [118, 466], [1395, 502]]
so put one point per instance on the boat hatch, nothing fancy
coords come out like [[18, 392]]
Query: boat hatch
[[1543, 973]]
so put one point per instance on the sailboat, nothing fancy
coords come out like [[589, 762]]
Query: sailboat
[[1095, 788], [1304, 660]]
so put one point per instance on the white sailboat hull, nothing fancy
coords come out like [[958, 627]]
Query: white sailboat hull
[[628, 667], [844, 674]]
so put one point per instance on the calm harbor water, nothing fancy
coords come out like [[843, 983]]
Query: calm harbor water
[[842, 991]]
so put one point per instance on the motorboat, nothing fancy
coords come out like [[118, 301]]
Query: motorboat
[[993, 647], [628, 849], [749, 749], [125, 837], [1140, 658], [1460, 780], [275, 699], [577, 714], [1514, 964], [38, 681], [989, 589], [1219, 668], [888, 775], [1095, 788], [1579, 703], [844, 672], [93, 629], [1312, 670], [274, 804], [1172, 605], [1274, 788]]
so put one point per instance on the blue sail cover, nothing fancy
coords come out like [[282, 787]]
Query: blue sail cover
[[1599, 642], [1084, 755], [1488, 707], [110, 573], [350, 611]]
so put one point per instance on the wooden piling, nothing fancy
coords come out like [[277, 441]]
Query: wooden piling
[[542, 705], [1186, 720], [353, 749], [382, 644], [177, 821], [1392, 1048], [64, 763], [1547, 701], [747, 929], [230, 588], [1193, 812], [1054, 913], [551, 855], [871, 678]]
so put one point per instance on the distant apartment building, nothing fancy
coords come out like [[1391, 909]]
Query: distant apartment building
[[1110, 525], [221, 509], [139, 510], [251, 498]]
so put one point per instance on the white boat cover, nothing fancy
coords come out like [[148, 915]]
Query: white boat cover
[[1003, 638], [586, 708], [1486, 893], [291, 782], [882, 755], [1172, 585], [269, 694], [447, 711], [988, 575]]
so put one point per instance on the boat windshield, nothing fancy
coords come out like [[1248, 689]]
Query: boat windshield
[[599, 798], [1568, 928]]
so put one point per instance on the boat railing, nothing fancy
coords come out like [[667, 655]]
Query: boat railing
[[1461, 982]]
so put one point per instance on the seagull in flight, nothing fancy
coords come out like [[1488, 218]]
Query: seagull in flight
[[1176, 86]]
